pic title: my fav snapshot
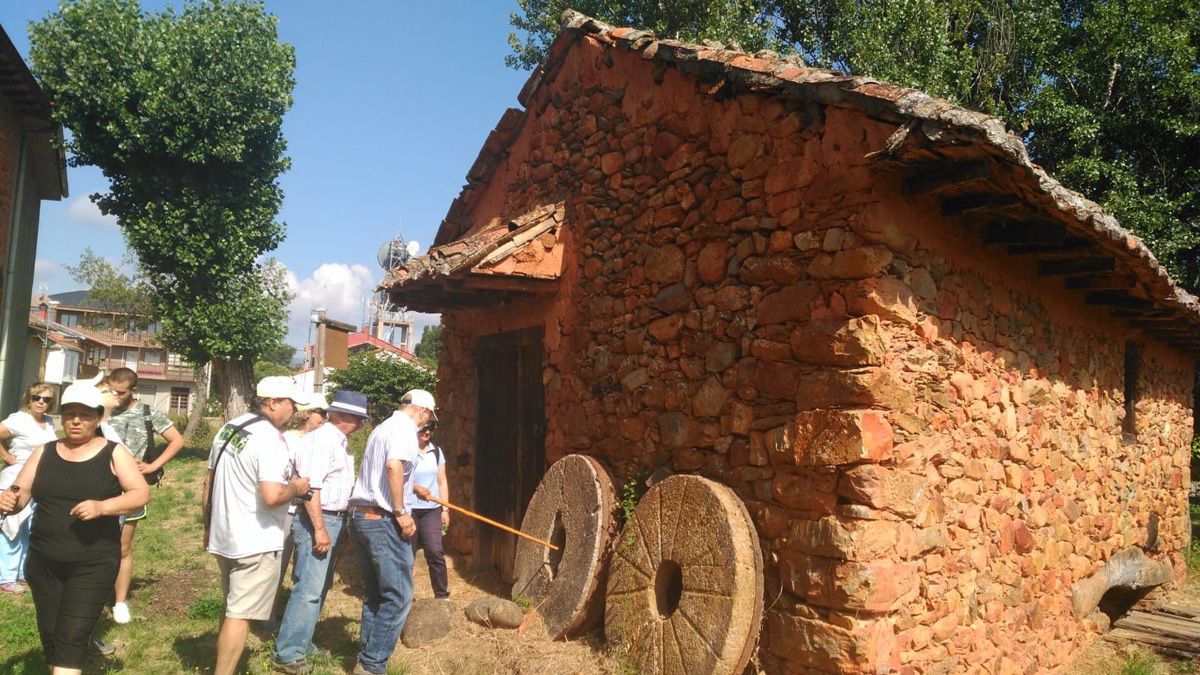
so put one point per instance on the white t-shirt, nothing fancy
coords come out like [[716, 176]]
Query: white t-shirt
[[242, 524], [27, 436], [395, 439]]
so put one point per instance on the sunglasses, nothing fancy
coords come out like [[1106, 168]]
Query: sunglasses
[[44, 399]]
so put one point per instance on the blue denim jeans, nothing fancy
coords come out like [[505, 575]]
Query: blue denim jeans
[[312, 574], [386, 559], [12, 554]]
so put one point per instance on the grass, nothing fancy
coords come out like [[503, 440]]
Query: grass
[[176, 598], [176, 604]]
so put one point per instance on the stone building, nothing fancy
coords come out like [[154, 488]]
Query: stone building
[[955, 396]]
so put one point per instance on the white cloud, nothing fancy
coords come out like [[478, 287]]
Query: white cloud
[[337, 287], [84, 210], [45, 273], [342, 290]]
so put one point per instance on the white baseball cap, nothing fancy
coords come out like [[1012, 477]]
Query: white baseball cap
[[422, 398], [82, 393], [278, 386], [313, 401]]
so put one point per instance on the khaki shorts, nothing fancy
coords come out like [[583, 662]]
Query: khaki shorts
[[249, 585]]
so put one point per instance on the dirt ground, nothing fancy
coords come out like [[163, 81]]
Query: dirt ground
[[469, 648]]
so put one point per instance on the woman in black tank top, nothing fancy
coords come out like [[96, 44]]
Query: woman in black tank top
[[82, 484]]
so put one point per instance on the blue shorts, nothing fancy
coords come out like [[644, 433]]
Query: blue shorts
[[135, 516]]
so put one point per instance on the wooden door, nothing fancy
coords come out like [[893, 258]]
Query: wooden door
[[510, 449]]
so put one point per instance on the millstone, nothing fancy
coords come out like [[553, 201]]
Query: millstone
[[573, 508], [685, 586]]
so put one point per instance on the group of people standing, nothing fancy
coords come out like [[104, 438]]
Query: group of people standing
[[72, 505], [71, 508], [256, 472]]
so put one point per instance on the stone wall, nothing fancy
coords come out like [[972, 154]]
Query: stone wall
[[927, 437]]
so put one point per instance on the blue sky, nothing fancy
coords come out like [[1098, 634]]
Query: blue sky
[[392, 102]]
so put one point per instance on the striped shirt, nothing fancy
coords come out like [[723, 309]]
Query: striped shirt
[[394, 439], [322, 456]]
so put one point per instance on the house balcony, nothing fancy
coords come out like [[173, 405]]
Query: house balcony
[[148, 371]]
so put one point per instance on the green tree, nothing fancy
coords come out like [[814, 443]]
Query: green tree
[[182, 112], [112, 288], [1106, 94], [430, 344], [383, 379], [743, 22]]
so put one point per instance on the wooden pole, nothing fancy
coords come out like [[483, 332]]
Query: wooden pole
[[491, 522]]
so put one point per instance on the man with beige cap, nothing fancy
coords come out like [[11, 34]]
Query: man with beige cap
[[246, 493], [380, 528]]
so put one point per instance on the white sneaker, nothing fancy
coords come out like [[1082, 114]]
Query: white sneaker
[[121, 613]]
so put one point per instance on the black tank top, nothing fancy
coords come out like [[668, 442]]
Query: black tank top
[[58, 486]]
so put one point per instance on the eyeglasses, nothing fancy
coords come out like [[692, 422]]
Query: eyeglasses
[[427, 429], [44, 399]]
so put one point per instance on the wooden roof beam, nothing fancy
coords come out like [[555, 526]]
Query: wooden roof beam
[[1117, 299], [926, 178], [1055, 267], [1101, 282], [1007, 233], [972, 203]]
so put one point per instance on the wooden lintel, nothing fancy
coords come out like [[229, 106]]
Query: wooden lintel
[[497, 282], [1117, 299], [1074, 266], [970, 203], [933, 178], [1014, 234], [1100, 282]]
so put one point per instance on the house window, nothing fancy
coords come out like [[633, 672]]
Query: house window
[[69, 319], [152, 357], [179, 400], [154, 328], [1133, 368]]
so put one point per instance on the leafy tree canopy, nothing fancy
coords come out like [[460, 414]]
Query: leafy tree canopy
[[182, 112], [383, 379], [113, 288], [1106, 94], [429, 345]]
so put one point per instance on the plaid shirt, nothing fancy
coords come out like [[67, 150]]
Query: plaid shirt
[[322, 456]]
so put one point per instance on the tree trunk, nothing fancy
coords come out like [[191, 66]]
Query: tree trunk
[[235, 385], [197, 411]]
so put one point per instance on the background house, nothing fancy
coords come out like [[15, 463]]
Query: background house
[[32, 168], [115, 339]]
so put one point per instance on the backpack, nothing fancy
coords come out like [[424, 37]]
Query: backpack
[[152, 449]]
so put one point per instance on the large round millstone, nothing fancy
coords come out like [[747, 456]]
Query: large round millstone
[[685, 585], [574, 508]]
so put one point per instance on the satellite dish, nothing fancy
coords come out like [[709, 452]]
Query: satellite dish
[[412, 248], [394, 253]]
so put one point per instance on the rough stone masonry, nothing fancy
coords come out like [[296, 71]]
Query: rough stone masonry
[[927, 430]]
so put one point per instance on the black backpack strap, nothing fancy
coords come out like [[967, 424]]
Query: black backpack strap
[[150, 453]]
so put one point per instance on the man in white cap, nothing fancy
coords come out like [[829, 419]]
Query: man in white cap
[[323, 456], [246, 494], [380, 527]]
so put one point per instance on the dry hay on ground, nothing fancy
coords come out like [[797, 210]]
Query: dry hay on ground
[[469, 648]]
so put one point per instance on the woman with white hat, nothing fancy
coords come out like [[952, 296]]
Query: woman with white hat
[[23, 431], [83, 483]]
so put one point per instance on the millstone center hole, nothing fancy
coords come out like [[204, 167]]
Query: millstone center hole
[[558, 537], [668, 587]]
